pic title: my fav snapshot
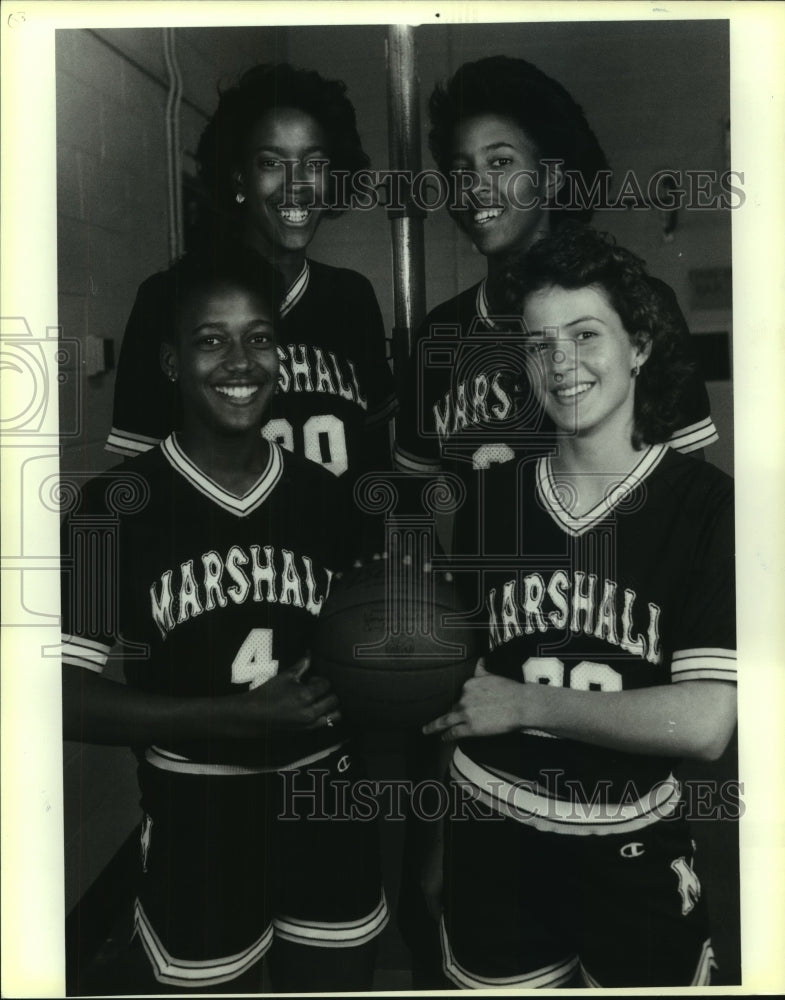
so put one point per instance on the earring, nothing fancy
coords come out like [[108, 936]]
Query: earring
[[172, 376], [239, 197], [635, 372]]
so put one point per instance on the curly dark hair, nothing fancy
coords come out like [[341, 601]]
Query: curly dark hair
[[259, 90], [576, 256], [223, 264], [515, 89]]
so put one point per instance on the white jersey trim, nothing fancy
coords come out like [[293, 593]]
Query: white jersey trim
[[80, 652], [482, 306], [520, 801], [704, 664], [549, 976], [405, 461], [384, 411], [698, 435], [297, 290], [187, 972], [167, 760], [239, 506], [549, 491], [129, 444], [335, 934]]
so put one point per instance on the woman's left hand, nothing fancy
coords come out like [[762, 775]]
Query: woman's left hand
[[489, 704]]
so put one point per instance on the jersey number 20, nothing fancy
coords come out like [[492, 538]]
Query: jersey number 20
[[324, 440], [586, 676]]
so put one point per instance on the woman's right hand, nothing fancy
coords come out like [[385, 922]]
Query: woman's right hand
[[289, 702]]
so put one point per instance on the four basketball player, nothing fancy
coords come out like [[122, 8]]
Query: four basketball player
[[604, 567]]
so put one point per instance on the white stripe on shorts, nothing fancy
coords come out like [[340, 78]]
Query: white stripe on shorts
[[702, 975], [196, 974], [335, 934], [549, 976]]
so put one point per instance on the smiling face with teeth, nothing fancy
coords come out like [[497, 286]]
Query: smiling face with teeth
[[279, 223], [225, 361], [586, 359], [497, 151]]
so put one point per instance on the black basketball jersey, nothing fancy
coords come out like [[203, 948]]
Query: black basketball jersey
[[637, 593], [336, 394], [467, 402], [209, 594]]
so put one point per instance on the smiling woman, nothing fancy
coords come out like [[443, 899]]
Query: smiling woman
[[222, 568], [269, 158], [608, 588], [223, 351]]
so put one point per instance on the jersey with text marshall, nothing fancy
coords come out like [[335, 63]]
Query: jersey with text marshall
[[209, 594], [467, 401], [336, 394], [636, 593]]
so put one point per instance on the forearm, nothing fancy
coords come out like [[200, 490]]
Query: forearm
[[689, 719], [97, 710]]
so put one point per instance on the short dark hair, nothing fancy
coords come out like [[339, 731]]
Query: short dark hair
[[515, 89], [577, 256], [222, 265], [259, 90]]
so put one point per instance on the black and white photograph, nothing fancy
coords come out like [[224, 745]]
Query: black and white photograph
[[392, 551]]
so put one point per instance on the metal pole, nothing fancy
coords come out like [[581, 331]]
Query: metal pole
[[403, 118]]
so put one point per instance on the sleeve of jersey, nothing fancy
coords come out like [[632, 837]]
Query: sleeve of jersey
[[382, 400], [415, 450], [705, 647], [80, 598], [144, 400], [698, 430]]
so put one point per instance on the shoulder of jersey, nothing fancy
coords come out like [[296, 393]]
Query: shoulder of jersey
[[130, 481], [338, 279], [456, 309], [696, 480]]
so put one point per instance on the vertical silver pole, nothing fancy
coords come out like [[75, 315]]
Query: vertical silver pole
[[403, 117]]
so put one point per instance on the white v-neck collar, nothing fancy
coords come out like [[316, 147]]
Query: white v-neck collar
[[297, 290], [239, 506], [549, 492], [482, 307]]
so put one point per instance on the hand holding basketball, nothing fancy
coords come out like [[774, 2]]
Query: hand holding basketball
[[488, 705], [290, 701]]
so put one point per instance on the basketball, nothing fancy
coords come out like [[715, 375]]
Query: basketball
[[393, 645]]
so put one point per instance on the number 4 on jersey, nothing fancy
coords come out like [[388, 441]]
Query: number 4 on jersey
[[254, 664]]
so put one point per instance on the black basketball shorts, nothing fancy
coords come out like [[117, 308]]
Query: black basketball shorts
[[524, 908], [223, 874]]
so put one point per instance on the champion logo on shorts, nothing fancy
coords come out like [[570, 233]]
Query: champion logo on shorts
[[632, 850]]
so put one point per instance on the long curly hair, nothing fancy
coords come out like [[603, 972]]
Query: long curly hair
[[258, 91], [577, 256], [541, 107]]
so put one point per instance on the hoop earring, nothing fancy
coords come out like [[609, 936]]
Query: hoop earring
[[239, 197]]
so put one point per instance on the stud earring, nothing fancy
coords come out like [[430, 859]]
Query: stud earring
[[172, 376], [635, 372], [239, 197]]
